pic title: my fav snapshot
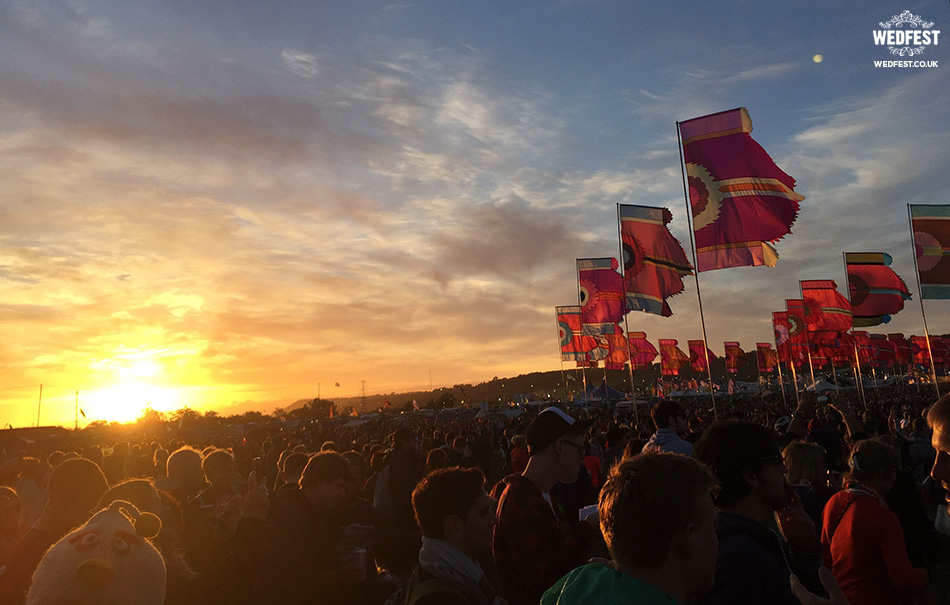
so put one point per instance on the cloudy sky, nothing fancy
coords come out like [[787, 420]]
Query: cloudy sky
[[212, 202]]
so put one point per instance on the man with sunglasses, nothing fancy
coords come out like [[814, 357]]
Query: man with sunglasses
[[531, 550], [765, 536]]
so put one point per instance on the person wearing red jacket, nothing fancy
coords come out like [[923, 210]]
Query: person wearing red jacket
[[863, 541]]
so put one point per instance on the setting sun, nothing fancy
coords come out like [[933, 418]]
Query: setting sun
[[125, 402]]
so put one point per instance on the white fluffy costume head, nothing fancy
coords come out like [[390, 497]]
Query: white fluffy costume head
[[107, 560]]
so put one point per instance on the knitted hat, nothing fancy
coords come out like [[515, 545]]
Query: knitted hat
[[104, 561], [549, 426]]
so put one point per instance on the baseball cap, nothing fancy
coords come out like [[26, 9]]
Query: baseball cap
[[549, 426]]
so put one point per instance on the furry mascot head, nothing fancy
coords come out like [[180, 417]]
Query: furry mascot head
[[107, 560]]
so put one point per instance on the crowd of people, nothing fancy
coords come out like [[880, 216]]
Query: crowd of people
[[745, 499]]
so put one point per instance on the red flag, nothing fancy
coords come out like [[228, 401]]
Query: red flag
[[573, 345], [735, 357], [697, 355], [654, 262], [672, 360], [617, 351], [826, 308], [797, 331], [931, 230], [766, 356], [866, 347], [642, 350], [903, 352], [876, 291], [601, 295], [885, 351], [781, 329], [921, 352], [741, 201]]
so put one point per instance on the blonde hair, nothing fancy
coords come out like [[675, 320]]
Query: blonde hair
[[805, 463]]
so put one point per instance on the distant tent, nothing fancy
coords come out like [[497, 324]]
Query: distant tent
[[603, 393]]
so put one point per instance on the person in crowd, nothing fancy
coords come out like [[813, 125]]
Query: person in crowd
[[670, 421], [205, 529], [435, 459], [457, 518], [519, 454], [530, 548], [863, 541], [304, 560], [75, 487], [116, 465], [658, 519], [400, 538], [755, 562], [806, 472], [31, 488], [290, 472], [12, 527], [183, 477]]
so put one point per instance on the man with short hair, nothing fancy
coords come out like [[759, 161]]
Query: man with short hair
[[183, 475], [457, 518], [658, 520], [670, 421], [74, 488], [305, 559], [755, 562], [531, 550], [938, 417]]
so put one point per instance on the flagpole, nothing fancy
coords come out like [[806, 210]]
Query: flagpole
[[626, 325], [781, 381], [854, 340], [557, 325], [692, 242], [581, 309], [913, 242]]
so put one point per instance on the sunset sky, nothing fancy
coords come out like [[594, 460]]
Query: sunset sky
[[209, 203]]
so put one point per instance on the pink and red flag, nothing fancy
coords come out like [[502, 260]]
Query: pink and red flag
[[781, 329], [642, 350], [825, 307], [741, 201], [672, 360], [654, 262], [600, 295], [735, 357], [876, 291], [931, 229], [797, 331], [766, 356], [698, 355]]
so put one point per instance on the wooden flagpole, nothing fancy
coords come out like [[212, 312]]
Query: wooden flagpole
[[692, 243], [626, 325], [580, 304], [913, 243], [854, 341], [557, 325]]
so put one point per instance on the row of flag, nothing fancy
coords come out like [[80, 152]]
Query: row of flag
[[741, 204], [798, 347]]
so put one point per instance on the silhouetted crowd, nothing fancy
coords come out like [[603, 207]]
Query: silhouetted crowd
[[828, 499]]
